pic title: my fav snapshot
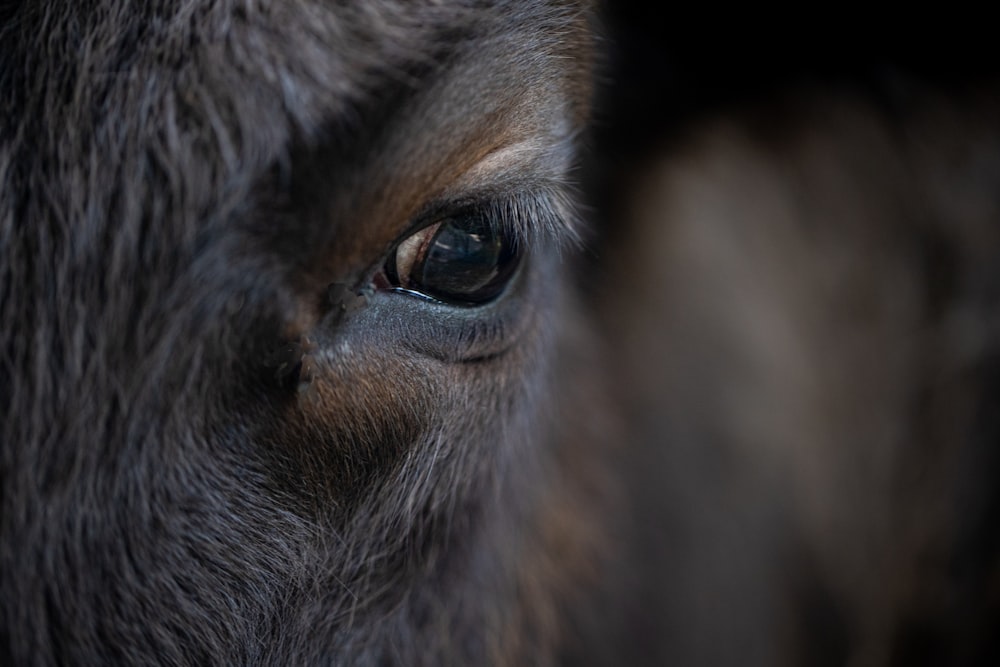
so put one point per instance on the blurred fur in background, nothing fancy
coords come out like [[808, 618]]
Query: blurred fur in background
[[802, 259]]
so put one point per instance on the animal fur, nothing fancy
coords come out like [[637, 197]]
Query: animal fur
[[738, 408]]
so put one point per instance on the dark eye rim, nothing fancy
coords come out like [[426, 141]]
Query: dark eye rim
[[387, 280]]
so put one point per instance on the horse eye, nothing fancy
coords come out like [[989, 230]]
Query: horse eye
[[462, 260]]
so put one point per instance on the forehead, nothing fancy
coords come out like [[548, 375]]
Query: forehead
[[490, 99], [349, 75], [228, 89]]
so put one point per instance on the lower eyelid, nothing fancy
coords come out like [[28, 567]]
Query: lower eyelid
[[407, 319]]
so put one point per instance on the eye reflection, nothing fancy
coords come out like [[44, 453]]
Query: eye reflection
[[463, 260]]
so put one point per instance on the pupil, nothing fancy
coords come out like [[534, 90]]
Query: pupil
[[466, 261]]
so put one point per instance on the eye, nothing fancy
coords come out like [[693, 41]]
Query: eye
[[463, 260]]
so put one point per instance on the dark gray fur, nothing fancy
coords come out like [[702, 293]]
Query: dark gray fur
[[164, 498]]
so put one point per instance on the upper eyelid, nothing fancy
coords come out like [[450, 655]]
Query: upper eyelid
[[541, 210]]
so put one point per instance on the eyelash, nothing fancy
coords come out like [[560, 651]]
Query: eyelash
[[469, 252], [541, 215]]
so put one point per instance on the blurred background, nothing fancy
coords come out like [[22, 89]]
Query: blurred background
[[797, 259]]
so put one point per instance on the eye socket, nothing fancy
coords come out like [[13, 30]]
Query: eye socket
[[463, 260]]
